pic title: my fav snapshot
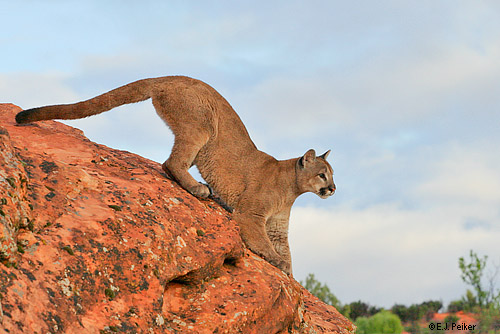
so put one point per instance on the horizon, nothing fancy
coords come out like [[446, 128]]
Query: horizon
[[405, 95]]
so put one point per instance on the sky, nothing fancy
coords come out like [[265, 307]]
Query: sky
[[406, 94]]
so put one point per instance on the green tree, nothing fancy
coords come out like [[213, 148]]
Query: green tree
[[401, 311], [432, 305], [322, 291], [470, 301], [415, 312], [456, 306], [361, 309], [472, 274], [383, 322]]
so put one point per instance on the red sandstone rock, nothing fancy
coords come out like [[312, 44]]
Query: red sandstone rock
[[96, 240]]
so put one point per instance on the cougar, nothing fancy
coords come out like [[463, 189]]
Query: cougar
[[210, 135]]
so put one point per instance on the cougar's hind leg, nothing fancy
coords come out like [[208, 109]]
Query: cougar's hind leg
[[181, 159], [188, 120]]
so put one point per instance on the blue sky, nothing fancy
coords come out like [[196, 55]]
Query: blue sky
[[406, 94]]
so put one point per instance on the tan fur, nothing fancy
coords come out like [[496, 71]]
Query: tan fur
[[209, 134]]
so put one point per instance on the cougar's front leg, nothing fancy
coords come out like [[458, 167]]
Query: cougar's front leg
[[253, 233], [277, 231], [181, 159]]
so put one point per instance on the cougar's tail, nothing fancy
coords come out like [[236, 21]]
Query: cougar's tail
[[134, 92]]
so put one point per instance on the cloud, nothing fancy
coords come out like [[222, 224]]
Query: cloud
[[467, 174], [426, 85], [35, 89], [293, 107], [384, 254]]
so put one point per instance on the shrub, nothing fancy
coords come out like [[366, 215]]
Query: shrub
[[489, 320], [383, 322], [451, 318], [456, 306]]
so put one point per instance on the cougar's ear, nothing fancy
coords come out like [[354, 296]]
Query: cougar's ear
[[325, 155], [307, 159]]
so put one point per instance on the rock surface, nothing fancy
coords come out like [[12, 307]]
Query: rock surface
[[96, 240]]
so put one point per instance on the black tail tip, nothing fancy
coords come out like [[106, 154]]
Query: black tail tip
[[23, 117]]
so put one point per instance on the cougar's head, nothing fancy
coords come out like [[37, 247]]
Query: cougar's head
[[314, 174]]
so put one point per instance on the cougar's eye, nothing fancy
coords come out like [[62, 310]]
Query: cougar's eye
[[322, 176]]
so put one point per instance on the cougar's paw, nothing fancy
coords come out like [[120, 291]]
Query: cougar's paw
[[200, 190], [286, 267], [283, 265]]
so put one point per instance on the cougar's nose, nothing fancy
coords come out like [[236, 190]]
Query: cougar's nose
[[332, 189]]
